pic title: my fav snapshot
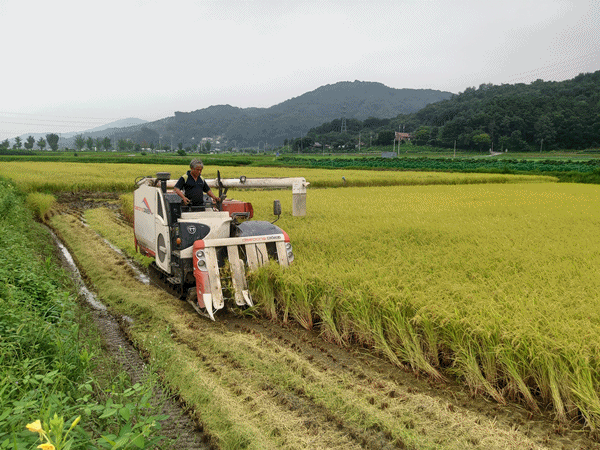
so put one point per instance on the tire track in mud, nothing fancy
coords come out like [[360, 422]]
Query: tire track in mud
[[298, 399], [285, 398], [179, 427], [381, 392]]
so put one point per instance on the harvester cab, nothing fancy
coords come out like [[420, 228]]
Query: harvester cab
[[202, 253]]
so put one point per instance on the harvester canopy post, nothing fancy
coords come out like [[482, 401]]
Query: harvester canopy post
[[298, 198]]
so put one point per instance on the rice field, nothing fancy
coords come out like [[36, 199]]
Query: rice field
[[65, 176], [496, 284], [492, 279]]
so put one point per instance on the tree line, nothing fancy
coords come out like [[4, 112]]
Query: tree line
[[98, 144], [51, 140], [521, 117]]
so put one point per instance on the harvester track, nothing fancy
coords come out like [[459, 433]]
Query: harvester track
[[158, 278]]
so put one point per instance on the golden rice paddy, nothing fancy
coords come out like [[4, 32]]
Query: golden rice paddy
[[496, 283]]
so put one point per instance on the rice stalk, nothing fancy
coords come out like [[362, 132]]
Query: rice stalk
[[408, 342], [40, 204], [263, 291], [300, 308], [551, 379], [328, 311], [431, 340], [584, 387], [127, 207], [515, 371], [467, 353]]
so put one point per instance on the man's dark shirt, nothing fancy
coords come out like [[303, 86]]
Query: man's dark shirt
[[193, 189]]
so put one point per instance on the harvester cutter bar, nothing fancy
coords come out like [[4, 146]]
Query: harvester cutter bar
[[202, 312], [238, 278], [207, 274]]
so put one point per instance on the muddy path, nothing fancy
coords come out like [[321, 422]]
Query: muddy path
[[281, 386], [181, 429]]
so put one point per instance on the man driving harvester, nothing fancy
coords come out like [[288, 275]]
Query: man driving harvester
[[194, 186]]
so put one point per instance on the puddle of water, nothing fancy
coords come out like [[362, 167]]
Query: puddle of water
[[83, 290]]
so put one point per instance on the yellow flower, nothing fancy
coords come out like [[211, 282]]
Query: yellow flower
[[46, 446], [35, 427]]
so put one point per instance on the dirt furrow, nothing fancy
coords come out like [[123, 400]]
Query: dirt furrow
[[179, 426]]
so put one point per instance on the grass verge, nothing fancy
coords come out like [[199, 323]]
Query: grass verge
[[51, 362]]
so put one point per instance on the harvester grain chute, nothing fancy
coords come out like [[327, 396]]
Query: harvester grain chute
[[203, 252]]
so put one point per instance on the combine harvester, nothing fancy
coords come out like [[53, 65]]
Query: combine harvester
[[192, 244]]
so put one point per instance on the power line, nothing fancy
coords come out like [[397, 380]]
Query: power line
[[62, 117], [565, 64], [53, 121], [50, 122]]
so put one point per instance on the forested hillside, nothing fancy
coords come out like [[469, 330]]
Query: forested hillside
[[543, 115], [540, 116], [520, 117]]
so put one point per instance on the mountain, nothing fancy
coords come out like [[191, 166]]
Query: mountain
[[131, 121], [249, 127]]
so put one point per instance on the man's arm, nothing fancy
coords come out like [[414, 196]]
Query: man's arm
[[213, 196], [177, 190], [181, 194], [206, 188]]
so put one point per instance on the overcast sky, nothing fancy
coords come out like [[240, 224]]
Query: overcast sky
[[71, 65]]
